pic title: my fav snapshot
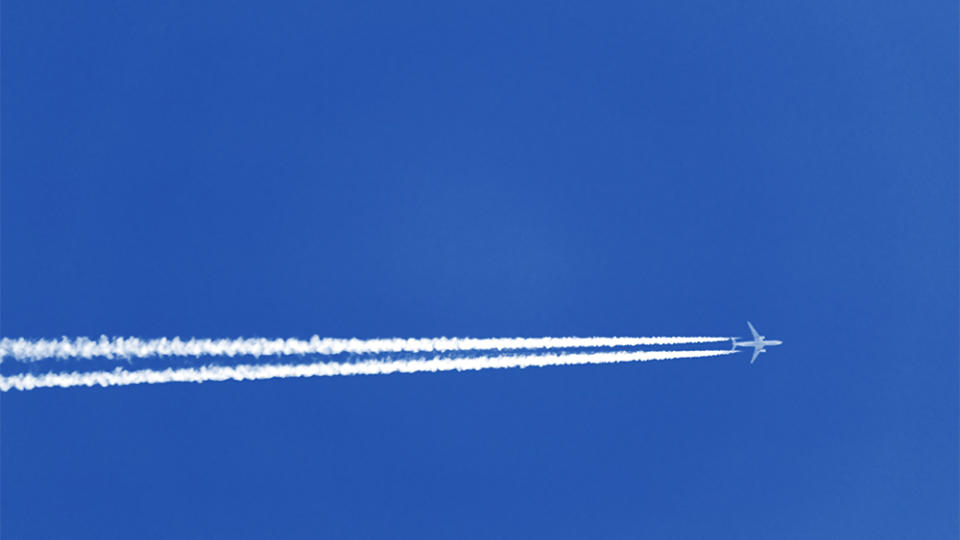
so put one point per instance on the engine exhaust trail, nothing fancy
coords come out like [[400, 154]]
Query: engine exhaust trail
[[120, 377], [123, 348]]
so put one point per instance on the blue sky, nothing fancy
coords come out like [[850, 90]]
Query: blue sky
[[364, 169]]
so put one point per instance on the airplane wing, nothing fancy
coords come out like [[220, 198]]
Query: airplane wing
[[753, 331], [756, 353]]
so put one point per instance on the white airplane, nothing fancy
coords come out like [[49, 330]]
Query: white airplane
[[758, 343]]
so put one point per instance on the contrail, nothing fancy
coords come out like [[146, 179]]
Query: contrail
[[120, 377], [85, 348]]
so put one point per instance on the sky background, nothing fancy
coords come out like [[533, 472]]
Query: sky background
[[378, 169]]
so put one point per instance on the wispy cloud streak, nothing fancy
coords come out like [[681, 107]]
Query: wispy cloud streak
[[85, 348], [120, 377]]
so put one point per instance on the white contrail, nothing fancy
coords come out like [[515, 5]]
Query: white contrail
[[33, 350], [120, 377]]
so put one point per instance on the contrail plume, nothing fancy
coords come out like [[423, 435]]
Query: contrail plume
[[120, 377], [85, 348]]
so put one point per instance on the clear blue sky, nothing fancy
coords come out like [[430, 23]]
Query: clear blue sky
[[364, 169]]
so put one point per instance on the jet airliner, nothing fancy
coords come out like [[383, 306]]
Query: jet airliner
[[759, 342]]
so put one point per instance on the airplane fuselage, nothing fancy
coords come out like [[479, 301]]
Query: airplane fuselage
[[760, 343]]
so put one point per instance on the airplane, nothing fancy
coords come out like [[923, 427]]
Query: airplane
[[759, 343]]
